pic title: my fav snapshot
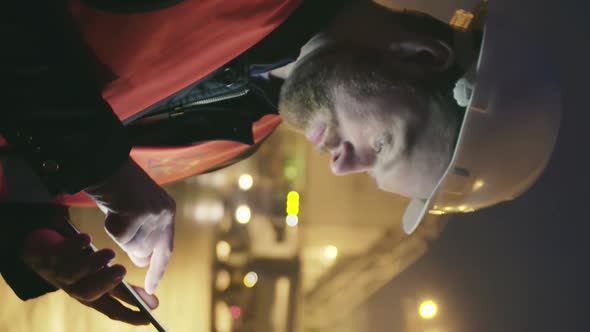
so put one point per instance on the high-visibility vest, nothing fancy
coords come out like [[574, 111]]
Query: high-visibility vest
[[155, 54]]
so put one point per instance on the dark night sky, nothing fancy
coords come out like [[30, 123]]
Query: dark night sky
[[522, 265]]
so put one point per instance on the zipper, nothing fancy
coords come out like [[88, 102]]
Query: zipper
[[213, 100], [179, 110]]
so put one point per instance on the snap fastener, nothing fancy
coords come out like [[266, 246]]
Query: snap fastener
[[229, 76]]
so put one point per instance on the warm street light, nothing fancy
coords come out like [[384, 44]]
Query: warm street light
[[329, 254], [428, 309], [250, 279], [243, 214], [223, 250], [292, 220], [477, 185], [223, 280], [245, 182]]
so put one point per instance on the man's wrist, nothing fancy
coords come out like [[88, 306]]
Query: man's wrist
[[104, 192]]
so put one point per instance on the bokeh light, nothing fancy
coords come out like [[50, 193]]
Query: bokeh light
[[290, 172], [223, 317], [428, 309], [245, 182], [243, 214], [292, 220], [330, 252], [293, 203], [223, 250], [223, 280], [478, 184], [236, 312], [250, 279]]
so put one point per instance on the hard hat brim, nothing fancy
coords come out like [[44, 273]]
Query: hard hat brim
[[414, 214]]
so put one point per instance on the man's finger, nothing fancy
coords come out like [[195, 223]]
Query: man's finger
[[159, 261], [142, 255], [139, 261], [121, 228], [121, 293], [72, 246], [141, 246], [98, 284], [71, 271], [117, 311], [149, 224]]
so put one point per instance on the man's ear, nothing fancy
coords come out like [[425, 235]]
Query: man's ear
[[429, 54]]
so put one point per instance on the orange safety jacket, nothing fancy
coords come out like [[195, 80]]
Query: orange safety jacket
[[155, 54]]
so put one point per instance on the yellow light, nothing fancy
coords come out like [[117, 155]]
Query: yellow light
[[428, 309], [330, 252], [449, 208], [250, 279], [223, 280], [462, 208], [290, 172], [292, 220], [436, 212], [245, 182], [223, 250], [223, 319], [243, 214], [293, 203], [477, 185]]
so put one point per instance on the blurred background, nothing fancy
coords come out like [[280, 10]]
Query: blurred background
[[276, 243], [273, 243]]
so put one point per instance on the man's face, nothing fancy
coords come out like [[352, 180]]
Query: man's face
[[393, 131]]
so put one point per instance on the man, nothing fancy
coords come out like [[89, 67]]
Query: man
[[43, 260], [397, 100], [378, 98]]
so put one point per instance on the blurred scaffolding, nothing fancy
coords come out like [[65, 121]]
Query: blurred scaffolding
[[318, 245]]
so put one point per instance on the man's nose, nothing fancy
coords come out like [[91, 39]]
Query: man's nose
[[346, 160]]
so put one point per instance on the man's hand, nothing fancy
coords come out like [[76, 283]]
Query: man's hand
[[139, 217], [67, 264]]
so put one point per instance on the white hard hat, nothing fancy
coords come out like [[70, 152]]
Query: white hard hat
[[508, 132]]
